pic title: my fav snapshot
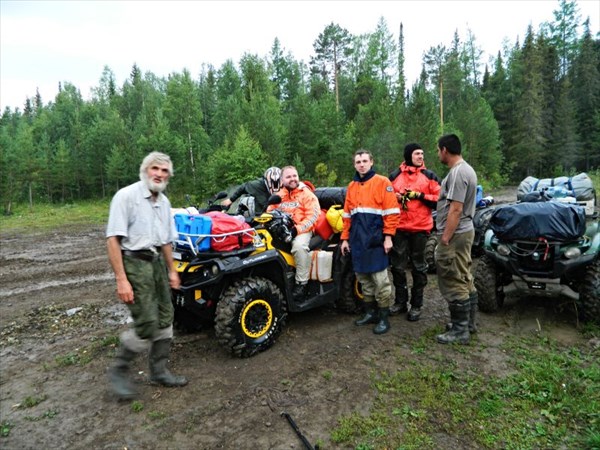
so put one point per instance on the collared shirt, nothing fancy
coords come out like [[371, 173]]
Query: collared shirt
[[141, 222]]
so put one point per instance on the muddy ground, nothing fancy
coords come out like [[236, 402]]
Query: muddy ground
[[59, 317]]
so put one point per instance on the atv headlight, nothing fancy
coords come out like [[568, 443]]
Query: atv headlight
[[504, 249], [210, 271], [573, 252]]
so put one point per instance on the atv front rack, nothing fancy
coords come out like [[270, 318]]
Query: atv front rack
[[199, 243]]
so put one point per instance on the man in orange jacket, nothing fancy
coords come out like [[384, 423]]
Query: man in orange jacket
[[370, 221], [298, 201], [417, 190]]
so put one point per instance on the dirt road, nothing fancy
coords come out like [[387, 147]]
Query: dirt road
[[59, 319]]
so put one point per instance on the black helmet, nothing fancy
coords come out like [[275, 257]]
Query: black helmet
[[272, 178]]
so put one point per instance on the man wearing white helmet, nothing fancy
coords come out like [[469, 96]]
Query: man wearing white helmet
[[260, 188]]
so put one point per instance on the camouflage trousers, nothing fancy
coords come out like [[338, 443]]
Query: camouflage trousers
[[152, 309], [376, 287]]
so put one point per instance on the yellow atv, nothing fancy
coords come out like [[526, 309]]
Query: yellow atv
[[246, 293]]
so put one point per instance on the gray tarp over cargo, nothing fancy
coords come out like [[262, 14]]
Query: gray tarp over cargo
[[579, 186]]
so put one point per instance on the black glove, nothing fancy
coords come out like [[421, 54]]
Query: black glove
[[404, 202]]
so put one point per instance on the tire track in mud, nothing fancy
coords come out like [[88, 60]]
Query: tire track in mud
[[55, 283]]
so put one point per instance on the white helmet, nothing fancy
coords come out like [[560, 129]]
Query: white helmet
[[272, 178]]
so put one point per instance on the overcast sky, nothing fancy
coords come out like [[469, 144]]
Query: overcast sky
[[45, 42]]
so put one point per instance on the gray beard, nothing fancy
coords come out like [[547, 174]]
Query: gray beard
[[155, 187]]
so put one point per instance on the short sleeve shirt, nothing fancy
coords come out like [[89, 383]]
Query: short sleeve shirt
[[141, 222], [460, 185]]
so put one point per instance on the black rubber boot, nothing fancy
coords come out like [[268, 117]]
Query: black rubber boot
[[416, 295], [473, 301], [117, 374], [459, 332], [159, 356], [369, 317], [400, 305], [383, 326]]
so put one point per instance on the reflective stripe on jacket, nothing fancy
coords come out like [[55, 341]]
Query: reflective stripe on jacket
[[370, 212], [418, 215], [301, 204]]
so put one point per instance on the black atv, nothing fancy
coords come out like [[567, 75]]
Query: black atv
[[246, 293], [543, 249]]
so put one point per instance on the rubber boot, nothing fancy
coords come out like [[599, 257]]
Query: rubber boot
[[459, 332], [369, 317], [400, 305], [383, 326], [159, 356], [117, 374], [416, 295], [473, 300]]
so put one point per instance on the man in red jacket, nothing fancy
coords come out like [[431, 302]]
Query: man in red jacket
[[370, 221], [417, 190]]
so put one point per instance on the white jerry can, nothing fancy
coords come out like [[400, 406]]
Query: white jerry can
[[321, 263]]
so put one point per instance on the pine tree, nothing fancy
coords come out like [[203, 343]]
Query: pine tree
[[586, 95], [332, 49]]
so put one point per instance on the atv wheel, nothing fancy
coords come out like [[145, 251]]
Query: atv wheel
[[589, 294], [351, 297], [430, 247], [488, 288], [250, 316]]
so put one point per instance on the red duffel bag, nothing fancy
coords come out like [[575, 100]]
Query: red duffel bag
[[229, 232]]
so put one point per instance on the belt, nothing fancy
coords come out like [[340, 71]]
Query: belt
[[146, 255]]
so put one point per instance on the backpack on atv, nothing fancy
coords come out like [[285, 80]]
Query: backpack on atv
[[246, 293], [543, 249]]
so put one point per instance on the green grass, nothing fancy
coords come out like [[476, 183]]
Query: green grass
[[5, 427], [48, 216], [50, 414], [85, 355], [137, 406], [551, 400], [31, 401]]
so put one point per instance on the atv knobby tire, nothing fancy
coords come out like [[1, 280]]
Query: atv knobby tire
[[488, 288], [430, 247], [589, 294], [249, 316], [351, 298]]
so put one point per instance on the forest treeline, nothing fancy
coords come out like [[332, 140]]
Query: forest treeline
[[533, 110]]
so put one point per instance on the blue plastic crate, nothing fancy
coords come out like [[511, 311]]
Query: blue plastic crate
[[195, 228]]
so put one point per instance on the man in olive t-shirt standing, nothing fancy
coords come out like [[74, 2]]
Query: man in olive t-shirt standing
[[454, 223]]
